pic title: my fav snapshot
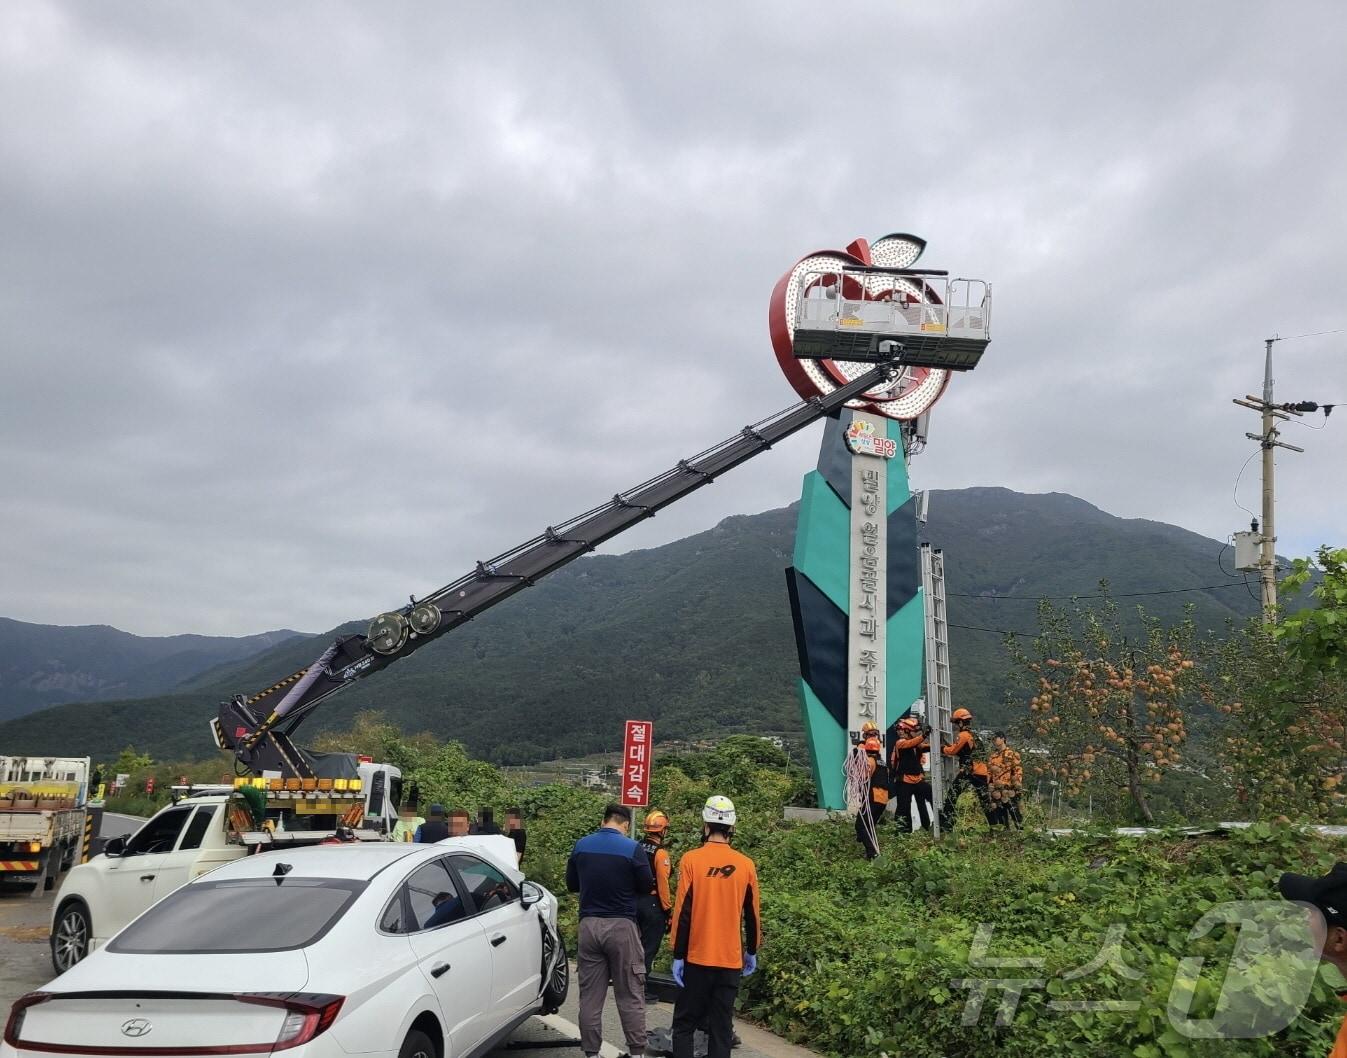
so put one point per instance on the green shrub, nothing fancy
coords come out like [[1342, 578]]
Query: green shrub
[[865, 958]]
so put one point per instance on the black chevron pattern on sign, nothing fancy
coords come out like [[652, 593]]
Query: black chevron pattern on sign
[[834, 458], [904, 569], [821, 639]]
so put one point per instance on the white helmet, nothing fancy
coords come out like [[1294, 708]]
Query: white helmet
[[719, 809]]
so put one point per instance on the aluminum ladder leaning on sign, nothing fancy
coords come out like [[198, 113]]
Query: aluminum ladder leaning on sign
[[939, 704]]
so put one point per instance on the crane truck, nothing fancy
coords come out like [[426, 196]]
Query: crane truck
[[259, 728]]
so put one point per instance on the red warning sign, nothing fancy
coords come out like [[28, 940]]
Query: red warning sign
[[637, 758]]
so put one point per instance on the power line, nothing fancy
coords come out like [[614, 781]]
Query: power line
[[1252, 596], [1221, 554], [998, 631], [1234, 495], [1312, 334], [1100, 595]]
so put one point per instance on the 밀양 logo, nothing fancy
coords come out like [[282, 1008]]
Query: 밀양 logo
[[861, 440], [136, 1028]]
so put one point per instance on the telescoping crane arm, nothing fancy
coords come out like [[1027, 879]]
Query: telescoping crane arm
[[257, 728]]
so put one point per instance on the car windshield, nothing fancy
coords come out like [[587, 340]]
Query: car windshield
[[242, 915]]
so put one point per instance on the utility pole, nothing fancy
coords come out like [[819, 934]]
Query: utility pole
[[1268, 439], [1267, 557]]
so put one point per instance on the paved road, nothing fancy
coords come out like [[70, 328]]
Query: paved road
[[115, 825], [26, 965]]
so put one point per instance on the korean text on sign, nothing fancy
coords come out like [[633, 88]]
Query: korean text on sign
[[637, 758]]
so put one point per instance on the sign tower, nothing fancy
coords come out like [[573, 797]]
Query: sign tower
[[855, 582]]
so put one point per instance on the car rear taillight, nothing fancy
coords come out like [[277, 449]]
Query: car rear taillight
[[14, 1025], [307, 1014]]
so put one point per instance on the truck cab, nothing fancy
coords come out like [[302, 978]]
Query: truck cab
[[202, 829]]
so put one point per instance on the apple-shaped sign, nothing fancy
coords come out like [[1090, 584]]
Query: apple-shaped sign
[[915, 389]]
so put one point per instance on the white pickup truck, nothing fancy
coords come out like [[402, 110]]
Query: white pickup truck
[[183, 841], [41, 818]]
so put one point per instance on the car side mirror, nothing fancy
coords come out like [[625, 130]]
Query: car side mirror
[[530, 893], [115, 847]]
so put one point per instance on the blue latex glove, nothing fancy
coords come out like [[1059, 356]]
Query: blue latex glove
[[750, 965], [678, 965]]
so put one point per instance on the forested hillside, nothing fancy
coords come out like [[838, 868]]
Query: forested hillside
[[695, 634]]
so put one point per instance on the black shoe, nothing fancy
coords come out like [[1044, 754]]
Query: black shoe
[[650, 997]]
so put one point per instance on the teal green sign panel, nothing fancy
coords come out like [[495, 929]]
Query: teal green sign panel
[[819, 592]]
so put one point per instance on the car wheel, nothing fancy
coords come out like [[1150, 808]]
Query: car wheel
[[417, 1045], [558, 984], [70, 938]]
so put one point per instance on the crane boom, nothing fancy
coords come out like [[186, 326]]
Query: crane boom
[[257, 728]]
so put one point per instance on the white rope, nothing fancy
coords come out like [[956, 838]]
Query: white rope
[[856, 769]]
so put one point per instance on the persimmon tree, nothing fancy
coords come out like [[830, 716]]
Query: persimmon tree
[[1284, 688], [1108, 707]]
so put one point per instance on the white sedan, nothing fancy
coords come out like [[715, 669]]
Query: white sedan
[[417, 951]]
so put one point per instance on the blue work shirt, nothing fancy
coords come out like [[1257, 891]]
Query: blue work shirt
[[608, 870]]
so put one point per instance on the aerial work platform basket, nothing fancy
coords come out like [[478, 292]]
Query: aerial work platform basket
[[870, 314]]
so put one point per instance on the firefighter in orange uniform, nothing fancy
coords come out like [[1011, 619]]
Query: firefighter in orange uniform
[[717, 929], [908, 776], [878, 799], [1005, 770], [653, 909], [967, 748]]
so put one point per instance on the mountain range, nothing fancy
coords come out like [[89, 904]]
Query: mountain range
[[695, 635], [43, 665]]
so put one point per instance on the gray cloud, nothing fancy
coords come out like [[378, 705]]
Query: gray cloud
[[305, 309]]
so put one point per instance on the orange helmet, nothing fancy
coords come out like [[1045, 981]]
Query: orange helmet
[[656, 820], [961, 714], [873, 745], [908, 723], [869, 728]]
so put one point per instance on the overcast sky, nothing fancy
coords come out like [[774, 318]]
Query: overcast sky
[[306, 307]]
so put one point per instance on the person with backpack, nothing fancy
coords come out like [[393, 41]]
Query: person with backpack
[[973, 774], [908, 776], [655, 908], [878, 797]]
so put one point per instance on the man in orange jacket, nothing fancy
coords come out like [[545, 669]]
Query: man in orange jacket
[[717, 929], [908, 776], [878, 792], [1005, 771], [967, 748], [654, 909]]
